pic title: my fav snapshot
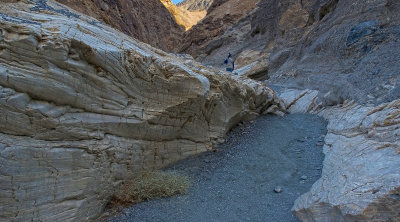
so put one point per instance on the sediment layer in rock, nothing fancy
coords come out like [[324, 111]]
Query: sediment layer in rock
[[84, 107]]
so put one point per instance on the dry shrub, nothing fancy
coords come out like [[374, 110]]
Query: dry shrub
[[151, 185]]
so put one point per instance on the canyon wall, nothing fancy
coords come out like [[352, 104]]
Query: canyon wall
[[85, 107], [343, 49], [195, 5], [183, 16], [148, 21]]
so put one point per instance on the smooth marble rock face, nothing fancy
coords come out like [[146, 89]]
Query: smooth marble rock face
[[361, 171]]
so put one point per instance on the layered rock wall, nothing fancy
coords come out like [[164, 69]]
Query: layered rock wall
[[84, 107]]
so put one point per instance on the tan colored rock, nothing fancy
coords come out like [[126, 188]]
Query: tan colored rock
[[295, 16], [84, 107], [361, 175], [183, 16], [257, 70], [250, 56]]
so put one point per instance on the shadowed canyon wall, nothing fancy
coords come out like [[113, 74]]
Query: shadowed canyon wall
[[328, 45], [147, 21]]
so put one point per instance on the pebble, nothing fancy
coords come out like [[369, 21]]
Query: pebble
[[278, 190], [300, 140], [320, 144], [220, 141], [303, 177]]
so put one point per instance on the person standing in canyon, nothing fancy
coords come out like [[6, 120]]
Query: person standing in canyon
[[229, 63]]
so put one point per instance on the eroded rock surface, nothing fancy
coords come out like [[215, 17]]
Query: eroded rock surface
[[361, 177], [361, 174], [146, 20], [84, 107], [348, 48], [213, 36]]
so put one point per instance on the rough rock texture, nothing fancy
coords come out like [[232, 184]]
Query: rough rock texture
[[196, 5], [183, 16], [213, 31], [146, 20], [84, 107], [348, 48], [361, 175], [300, 101]]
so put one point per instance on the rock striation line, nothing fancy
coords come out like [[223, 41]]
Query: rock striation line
[[361, 172]]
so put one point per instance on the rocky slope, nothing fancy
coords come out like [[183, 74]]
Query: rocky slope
[[360, 179], [183, 16], [348, 49], [195, 5], [84, 107], [147, 21]]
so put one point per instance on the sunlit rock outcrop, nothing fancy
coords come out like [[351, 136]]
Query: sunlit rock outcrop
[[183, 16], [83, 107], [195, 5]]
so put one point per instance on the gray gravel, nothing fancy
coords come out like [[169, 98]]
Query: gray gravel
[[237, 183]]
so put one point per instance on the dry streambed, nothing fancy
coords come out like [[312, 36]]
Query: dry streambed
[[237, 182]]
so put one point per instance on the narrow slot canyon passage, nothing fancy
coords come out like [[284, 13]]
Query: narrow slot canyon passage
[[237, 182]]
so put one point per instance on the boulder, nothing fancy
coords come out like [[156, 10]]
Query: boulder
[[85, 107]]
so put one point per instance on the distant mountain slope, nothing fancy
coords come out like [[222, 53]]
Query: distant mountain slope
[[146, 20], [195, 5]]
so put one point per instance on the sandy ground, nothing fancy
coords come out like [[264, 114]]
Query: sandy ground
[[237, 182]]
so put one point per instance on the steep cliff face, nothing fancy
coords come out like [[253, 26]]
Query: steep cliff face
[[183, 16], [207, 37], [84, 107], [196, 5], [148, 21], [330, 45], [348, 49]]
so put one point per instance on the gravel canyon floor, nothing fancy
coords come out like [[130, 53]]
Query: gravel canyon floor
[[237, 182]]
